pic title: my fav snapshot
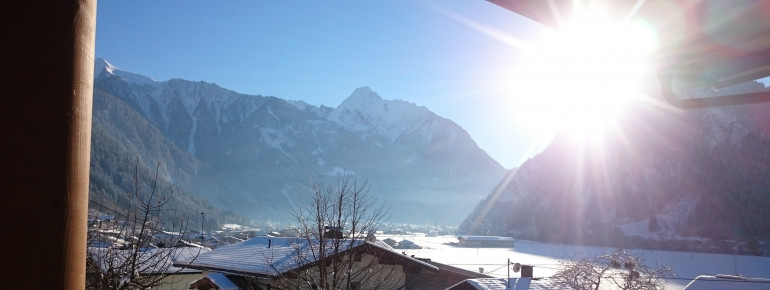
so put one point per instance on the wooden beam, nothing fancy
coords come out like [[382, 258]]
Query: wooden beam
[[46, 127]]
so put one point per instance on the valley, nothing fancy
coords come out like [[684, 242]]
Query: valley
[[657, 179]]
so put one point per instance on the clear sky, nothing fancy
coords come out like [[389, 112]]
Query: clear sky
[[455, 57]]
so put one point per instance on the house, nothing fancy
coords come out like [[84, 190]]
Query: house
[[222, 281], [445, 277], [390, 242], [526, 282], [214, 281], [704, 282], [155, 264], [277, 261], [101, 221], [191, 235], [407, 244], [502, 284], [485, 241]]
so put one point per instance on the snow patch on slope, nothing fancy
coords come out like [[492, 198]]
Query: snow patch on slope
[[191, 137], [275, 139], [270, 111]]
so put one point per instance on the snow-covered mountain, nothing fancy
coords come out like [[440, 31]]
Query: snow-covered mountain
[[256, 155], [366, 113], [662, 174], [104, 69]]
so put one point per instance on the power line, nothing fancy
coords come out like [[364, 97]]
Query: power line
[[475, 264], [108, 208]]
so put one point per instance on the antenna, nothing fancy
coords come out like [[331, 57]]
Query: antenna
[[516, 267]]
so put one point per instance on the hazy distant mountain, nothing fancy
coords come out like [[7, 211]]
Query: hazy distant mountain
[[256, 155], [125, 146], [703, 173]]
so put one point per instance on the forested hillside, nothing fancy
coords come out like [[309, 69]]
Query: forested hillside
[[126, 154]]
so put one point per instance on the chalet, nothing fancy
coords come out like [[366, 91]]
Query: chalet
[[276, 261], [485, 241]]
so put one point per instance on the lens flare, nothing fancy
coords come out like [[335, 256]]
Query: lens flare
[[577, 79]]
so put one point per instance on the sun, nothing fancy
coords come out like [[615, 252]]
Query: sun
[[579, 78]]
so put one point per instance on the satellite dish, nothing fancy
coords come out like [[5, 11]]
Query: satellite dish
[[516, 267]]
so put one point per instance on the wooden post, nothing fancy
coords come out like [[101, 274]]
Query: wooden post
[[46, 139]]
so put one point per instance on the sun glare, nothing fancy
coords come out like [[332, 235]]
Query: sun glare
[[578, 78]]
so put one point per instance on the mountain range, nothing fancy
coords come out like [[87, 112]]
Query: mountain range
[[658, 174], [255, 156]]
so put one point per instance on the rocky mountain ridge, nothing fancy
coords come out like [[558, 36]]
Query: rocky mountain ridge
[[256, 155]]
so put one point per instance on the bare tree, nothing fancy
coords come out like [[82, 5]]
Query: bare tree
[[620, 270], [333, 231], [137, 250]]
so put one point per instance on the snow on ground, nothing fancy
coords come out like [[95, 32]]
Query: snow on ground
[[545, 258]]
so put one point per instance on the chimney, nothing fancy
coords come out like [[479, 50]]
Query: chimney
[[526, 271]]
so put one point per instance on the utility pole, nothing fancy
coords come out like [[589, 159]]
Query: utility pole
[[203, 219]]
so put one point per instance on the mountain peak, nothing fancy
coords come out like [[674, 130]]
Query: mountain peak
[[365, 111], [103, 68], [362, 96]]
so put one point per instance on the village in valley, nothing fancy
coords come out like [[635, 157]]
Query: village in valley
[[109, 225], [274, 256], [235, 256]]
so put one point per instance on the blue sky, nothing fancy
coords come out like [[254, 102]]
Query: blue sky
[[454, 57]]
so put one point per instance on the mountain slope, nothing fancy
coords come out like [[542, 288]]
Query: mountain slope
[[126, 151], [661, 175], [256, 155]]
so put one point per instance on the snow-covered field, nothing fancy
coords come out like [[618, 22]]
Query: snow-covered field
[[545, 258]]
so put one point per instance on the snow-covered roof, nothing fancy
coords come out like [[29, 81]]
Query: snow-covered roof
[[187, 244], [153, 261], [271, 256], [485, 238], [502, 284], [461, 271], [717, 282]]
